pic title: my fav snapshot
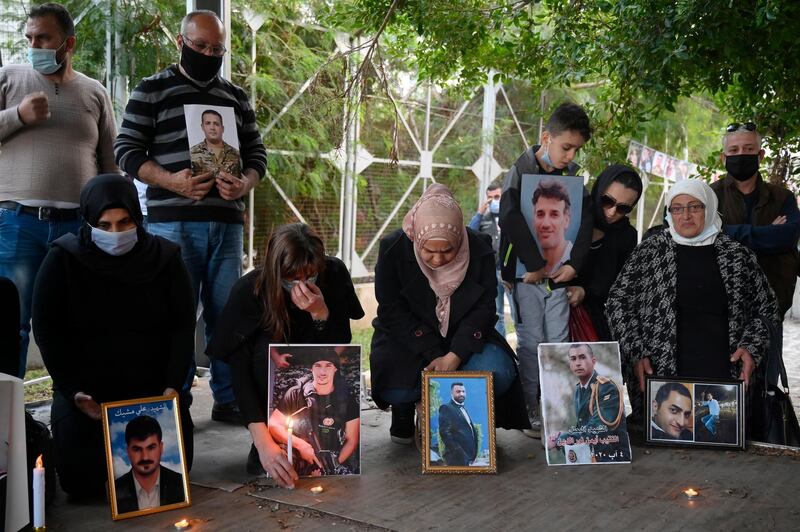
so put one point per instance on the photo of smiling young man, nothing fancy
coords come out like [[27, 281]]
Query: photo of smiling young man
[[551, 218], [672, 413]]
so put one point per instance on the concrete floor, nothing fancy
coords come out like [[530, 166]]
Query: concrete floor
[[738, 490]]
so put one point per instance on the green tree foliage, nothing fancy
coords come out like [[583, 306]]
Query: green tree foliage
[[644, 56]]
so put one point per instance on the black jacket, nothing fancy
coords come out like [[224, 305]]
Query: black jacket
[[407, 337], [239, 338], [457, 436], [516, 240], [170, 487]]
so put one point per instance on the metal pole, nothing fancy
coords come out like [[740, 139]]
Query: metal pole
[[251, 197], [351, 153], [487, 134]]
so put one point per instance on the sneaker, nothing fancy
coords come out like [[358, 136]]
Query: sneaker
[[402, 429], [254, 466], [226, 413], [535, 431]]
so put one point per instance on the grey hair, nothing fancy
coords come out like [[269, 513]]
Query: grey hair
[[190, 16], [726, 134]]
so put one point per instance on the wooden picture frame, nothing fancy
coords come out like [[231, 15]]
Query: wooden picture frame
[[472, 451], [125, 442], [714, 421]]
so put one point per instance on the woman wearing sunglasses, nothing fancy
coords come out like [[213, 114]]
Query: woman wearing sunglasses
[[614, 195]]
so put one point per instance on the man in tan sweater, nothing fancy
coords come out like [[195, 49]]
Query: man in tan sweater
[[56, 132]]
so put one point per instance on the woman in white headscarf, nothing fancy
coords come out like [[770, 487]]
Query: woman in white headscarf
[[690, 301]]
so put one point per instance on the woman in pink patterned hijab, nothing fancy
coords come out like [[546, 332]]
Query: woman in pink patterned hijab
[[436, 283], [436, 227]]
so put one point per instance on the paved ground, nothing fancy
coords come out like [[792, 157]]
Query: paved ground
[[753, 490]]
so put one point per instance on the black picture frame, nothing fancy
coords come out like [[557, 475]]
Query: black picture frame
[[716, 419]]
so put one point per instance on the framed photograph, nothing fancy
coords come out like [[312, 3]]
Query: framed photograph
[[315, 394], [552, 207], [695, 413], [583, 408], [213, 139], [458, 422], [145, 455]]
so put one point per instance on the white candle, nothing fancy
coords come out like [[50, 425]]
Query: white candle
[[289, 441], [38, 494]]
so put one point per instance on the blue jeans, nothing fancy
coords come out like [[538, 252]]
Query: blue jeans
[[212, 252], [501, 307], [710, 421], [24, 242], [493, 358]]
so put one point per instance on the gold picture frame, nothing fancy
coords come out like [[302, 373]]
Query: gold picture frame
[[468, 424], [156, 433]]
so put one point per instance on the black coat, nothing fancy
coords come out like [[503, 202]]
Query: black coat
[[407, 337], [170, 488], [458, 436], [239, 338]]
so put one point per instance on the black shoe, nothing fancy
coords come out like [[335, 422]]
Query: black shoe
[[254, 466], [226, 413], [402, 429]]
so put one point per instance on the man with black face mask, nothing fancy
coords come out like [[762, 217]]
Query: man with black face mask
[[57, 131], [202, 213], [760, 215]]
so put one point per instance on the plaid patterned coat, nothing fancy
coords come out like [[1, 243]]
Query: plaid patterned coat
[[641, 305]]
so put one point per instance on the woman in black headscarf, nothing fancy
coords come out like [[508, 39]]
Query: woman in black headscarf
[[614, 195], [114, 319]]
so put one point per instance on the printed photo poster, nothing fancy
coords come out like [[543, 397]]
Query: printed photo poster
[[213, 139], [315, 393], [144, 449], [583, 407], [706, 413], [551, 206]]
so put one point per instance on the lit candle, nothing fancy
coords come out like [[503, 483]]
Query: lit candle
[[690, 493], [317, 489], [183, 524], [289, 441], [38, 494]]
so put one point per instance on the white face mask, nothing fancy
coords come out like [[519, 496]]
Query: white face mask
[[114, 243]]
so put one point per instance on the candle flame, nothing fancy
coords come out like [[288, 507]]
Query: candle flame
[[183, 523], [39, 462], [316, 489], [289, 422], [690, 492]]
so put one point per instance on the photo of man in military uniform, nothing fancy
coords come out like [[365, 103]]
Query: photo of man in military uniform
[[599, 433], [213, 153]]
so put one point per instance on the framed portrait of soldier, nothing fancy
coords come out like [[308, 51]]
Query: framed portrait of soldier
[[213, 139], [458, 422], [314, 405], [583, 408], [551, 206], [145, 456], [695, 413]]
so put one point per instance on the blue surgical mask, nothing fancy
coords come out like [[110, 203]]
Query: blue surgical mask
[[494, 206], [115, 244], [546, 157], [288, 285], [43, 60]]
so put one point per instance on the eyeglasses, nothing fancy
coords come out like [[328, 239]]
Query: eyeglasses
[[608, 202], [217, 50], [693, 208], [736, 126]]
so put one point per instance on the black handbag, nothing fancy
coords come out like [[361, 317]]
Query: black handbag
[[771, 414]]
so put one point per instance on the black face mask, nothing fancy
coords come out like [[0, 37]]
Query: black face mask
[[199, 66], [742, 167]]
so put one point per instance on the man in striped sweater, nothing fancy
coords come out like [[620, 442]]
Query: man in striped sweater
[[202, 213]]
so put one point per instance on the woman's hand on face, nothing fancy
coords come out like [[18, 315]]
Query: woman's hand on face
[[642, 368], [448, 362], [307, 296], [575, 295], [748, 364], [274, 461]]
